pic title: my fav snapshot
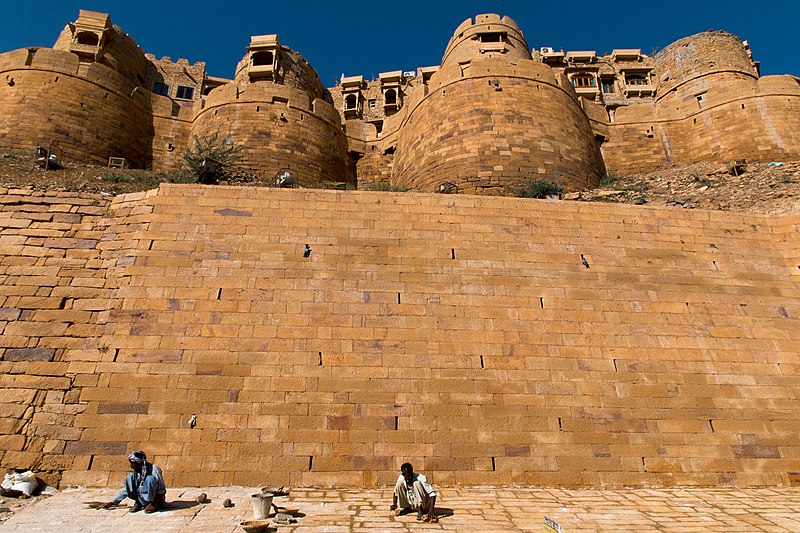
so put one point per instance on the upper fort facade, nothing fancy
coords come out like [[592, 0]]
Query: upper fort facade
[[492, 114]]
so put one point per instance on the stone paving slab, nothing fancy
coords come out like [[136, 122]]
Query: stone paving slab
[[484, 509]]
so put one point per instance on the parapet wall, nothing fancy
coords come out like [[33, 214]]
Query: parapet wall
[[461, 333]]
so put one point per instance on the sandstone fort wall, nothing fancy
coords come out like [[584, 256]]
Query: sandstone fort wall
[[494, 115], [711, 106], [278, 128], [87, 109], [489, 125], [462, 333]]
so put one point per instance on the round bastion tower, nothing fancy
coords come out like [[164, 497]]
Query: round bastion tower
[[82, 98], [716, 107], [492, 118], [277, 111]]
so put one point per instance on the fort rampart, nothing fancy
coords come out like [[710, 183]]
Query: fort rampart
[[495, 114], [49, 96], [491, 124]]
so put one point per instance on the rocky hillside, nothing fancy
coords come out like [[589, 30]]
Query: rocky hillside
[[767, 188]]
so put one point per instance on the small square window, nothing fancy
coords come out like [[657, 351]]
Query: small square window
[[185, 93], [161, 88], [373, 104]]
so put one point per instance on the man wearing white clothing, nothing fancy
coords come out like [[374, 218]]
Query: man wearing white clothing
[[413, 492]]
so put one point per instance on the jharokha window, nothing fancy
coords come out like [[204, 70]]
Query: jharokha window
[[261, 59], [583, 80], [608, 85], [492, 37], [636, 79], [88, 38]]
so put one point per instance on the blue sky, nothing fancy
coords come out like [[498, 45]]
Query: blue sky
[[371, 37]]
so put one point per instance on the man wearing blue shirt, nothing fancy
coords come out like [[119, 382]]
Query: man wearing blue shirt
[[145, 485]]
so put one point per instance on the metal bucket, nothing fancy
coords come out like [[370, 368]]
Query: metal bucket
[[262, 504]]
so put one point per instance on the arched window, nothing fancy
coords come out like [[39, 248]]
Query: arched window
[[263, 58], [350, 101], [88, 38], [390, 97]]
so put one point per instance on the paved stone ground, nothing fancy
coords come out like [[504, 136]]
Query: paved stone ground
[[487, 510]]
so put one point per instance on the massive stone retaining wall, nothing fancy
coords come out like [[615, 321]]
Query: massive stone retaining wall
[[461, 333]]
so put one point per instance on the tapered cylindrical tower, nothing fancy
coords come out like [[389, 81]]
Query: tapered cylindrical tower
[[714, 106], [491, 118], [83, 97], [276, 110]]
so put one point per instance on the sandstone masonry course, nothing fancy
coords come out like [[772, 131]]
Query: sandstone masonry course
[[461, 331]]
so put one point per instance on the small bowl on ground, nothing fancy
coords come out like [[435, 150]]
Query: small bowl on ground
[[256, 526]]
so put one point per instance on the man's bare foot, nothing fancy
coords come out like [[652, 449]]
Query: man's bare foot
[[150, 508]]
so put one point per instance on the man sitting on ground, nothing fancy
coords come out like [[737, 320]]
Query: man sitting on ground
[[145, 486], [413, 492]]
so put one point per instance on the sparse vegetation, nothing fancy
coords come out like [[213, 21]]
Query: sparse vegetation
[[540, 188], [145, 178], [628, 183], [609, 180], [636, 186], [386, 187]]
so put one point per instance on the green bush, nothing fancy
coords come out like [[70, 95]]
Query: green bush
[[540, 188], [221, 150]]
